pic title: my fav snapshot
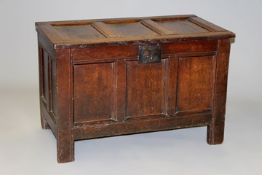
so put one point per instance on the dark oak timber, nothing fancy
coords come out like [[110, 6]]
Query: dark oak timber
[[109, 77]]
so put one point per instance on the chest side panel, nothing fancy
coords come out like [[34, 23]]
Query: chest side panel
[[47, 72]]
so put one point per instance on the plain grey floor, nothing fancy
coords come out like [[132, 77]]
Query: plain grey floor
[[27, 149]]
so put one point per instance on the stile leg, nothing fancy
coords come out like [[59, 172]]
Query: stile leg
[[65, 148], [215, 133], [64, 124], [215, 130]]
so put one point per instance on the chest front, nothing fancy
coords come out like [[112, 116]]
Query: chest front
[[144, 81]]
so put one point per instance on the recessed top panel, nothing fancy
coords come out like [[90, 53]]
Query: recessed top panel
[[78, 32], [181, 27], [132, 29]]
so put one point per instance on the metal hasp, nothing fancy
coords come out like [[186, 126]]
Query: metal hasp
[[149, 53]]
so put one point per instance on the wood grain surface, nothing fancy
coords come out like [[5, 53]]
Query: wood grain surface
[[92, 84]]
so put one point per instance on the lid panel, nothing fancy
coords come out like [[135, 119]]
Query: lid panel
[[124, 29], [76, 32], [181, 27]]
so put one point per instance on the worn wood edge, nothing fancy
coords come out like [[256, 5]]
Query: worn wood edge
[[140, 126], [136, 40], [46, 44], [47, 30]]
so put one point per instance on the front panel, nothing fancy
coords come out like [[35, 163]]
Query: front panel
[[144, 89], [195, 83], [110, 89], [94, 92]]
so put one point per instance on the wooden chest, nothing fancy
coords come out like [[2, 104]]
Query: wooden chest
[[112, 77]]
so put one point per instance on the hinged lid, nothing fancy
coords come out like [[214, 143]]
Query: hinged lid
[[84, 32]]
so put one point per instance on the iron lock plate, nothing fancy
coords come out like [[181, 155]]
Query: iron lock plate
[[149, 53]]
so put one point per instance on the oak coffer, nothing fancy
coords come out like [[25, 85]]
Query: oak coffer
[[111, 77]]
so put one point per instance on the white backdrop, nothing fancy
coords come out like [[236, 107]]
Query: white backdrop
[[18, 44], [19, 66]]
